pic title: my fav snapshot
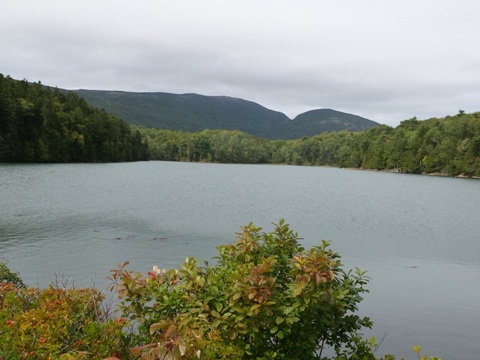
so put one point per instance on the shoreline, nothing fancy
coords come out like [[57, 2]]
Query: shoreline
[[395, 171]]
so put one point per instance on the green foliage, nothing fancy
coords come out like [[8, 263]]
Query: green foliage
[[38, 124], [210, 145], [417, 348], [449, 146], [9, 277], [266, 297]]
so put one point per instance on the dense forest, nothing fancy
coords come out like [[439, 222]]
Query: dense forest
[[38, 124], [448, 146]]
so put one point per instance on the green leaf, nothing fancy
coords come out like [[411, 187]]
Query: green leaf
[[291, 319], [199, 281], [238, 309], [255, 307], [298, 289], [232, 334], [176, 352]]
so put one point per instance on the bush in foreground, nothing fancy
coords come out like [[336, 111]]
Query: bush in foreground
[[55, 322], [266, 297]]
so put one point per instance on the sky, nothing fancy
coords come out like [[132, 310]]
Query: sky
[[383, 60]]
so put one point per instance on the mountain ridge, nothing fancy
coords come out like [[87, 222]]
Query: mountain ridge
[[195, 112]]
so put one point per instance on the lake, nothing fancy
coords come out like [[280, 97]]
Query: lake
[[417, 236]]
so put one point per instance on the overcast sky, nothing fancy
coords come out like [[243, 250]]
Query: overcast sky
[[384, 60]]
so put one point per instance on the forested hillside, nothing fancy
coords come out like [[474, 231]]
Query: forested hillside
[[448, 146], [38, 124], [307, 123], [193, 113]]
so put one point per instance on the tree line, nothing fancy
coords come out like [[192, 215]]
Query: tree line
[[38, 124], [448, 146]]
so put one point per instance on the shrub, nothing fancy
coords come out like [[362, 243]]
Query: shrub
[[265, 297], [56, 322], [7, 276]]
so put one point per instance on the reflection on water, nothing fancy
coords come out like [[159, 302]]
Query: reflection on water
[[417, 236]]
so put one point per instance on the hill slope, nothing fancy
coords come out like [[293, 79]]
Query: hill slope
[[38, 124], [327, 119], [187, 112], [193, 112]]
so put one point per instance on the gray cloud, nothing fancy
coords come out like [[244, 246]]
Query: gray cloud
[[387, 61]]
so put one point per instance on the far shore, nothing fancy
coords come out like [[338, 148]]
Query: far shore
[[396, 171]]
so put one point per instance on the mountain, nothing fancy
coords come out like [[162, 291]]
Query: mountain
[[193, 112], [328, 120]]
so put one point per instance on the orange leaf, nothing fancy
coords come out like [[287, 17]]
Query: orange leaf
[[138, 349]]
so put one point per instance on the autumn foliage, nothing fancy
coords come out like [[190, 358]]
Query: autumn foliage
[[57, 323], [263, 297]]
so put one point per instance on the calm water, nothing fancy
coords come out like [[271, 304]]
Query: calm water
[[417, 236]]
